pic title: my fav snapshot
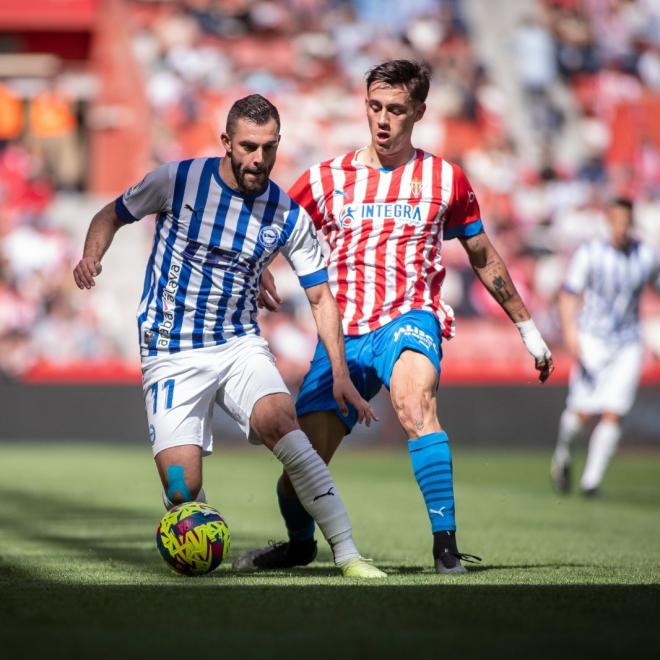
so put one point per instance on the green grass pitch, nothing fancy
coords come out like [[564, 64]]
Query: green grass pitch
[[562, 577]]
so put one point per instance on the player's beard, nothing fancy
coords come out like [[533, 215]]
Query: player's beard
[[253, 186]]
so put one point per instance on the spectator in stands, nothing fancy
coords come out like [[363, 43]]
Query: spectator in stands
[[52, 133]]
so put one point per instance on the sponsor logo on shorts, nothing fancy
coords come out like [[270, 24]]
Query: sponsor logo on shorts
[[268, 236], [152, 434], [415, 333]]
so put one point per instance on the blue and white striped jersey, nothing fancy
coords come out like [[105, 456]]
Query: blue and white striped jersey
[[610, 282], [210, 247]]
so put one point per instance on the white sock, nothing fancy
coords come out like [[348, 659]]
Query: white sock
[[201, 497], [602, 445], [317, 492], [570, 427]]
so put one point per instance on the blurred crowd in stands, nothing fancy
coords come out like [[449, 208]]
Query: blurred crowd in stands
[[586, 71], [40, 317]]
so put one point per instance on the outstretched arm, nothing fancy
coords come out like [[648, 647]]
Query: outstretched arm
[[328, 322], [491, 270], [101, 231]]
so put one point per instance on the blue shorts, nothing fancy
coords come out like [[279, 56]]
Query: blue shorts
[[370, 359]]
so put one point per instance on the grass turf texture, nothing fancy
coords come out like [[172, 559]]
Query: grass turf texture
[[562, 577]]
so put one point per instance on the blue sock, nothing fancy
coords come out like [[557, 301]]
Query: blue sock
[[431, 462], [299, 524]]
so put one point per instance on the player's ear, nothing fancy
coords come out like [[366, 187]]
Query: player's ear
[[419, 113], [226, 142]]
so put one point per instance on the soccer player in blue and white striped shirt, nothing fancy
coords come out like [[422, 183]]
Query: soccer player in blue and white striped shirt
[[599, 308], [219, 222]]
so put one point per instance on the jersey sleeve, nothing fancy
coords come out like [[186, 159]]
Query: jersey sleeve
[[303, 251], [151, 195], [462, 218], [302, 192], [578, 272]]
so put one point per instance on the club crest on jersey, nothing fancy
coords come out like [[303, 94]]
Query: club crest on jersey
[[133, 189], [268, 236], [347, 217], [416, 188]]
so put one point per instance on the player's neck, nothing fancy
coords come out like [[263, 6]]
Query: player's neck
[[370, 157], [623, 245]]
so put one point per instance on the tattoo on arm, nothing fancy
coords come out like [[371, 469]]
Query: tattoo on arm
[[502, 294], [419, 424]]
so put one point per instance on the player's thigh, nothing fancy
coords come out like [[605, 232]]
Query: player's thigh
[[178, 392], [621, 381], [407, 355], [254, 378], [315, 395], [413, 386]]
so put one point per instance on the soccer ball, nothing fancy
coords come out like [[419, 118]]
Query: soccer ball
[[193, 538]]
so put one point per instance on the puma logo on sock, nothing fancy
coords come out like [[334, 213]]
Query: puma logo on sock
[[318, 497], [439, 511]]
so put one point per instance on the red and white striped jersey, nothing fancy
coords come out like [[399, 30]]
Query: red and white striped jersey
[[384, 229]]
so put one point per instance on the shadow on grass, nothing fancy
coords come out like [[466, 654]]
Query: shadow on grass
[[81, 530], [45, 619], [254, 618]]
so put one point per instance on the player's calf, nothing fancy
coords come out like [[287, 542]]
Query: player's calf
[[180, 470], [309, 475]]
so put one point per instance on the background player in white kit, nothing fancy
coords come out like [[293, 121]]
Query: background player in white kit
[[599, 308], [220, 221]]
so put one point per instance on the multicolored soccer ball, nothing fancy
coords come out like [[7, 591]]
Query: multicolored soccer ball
[[193, 538]]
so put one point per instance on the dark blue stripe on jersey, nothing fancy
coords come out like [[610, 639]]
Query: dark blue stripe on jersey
[[122, 212], [187, 265], [177, 199], [290, 223], [148, 287], [463, 231], [228, 276], [207, 271], [313, 279], [250, 296]]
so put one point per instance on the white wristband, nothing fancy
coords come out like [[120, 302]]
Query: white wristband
[[534, 343], [526, 327]]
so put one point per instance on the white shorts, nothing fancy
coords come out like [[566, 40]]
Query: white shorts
[[180, 390], [606, 378]]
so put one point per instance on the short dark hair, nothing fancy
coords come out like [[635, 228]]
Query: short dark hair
[[623, 202], [254, 108], [414, 76]]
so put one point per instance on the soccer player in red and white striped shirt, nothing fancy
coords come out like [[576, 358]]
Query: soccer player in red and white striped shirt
[[384, 211]]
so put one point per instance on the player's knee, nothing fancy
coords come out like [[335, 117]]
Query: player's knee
[[273, 417], [281, 423], [611, 417], [416, 413]]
